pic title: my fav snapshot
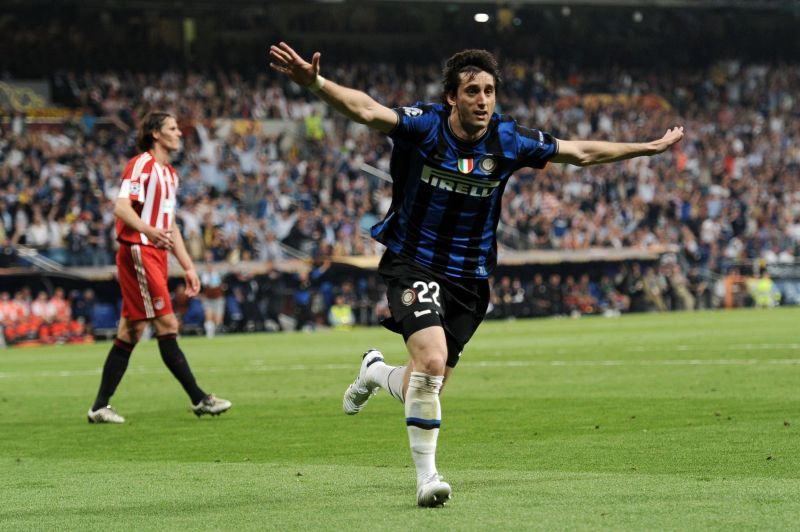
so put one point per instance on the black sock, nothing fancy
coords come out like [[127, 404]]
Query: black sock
[[113, 370], [176, 361]]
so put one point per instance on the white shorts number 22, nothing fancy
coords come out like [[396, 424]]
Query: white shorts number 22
[[423, 289]]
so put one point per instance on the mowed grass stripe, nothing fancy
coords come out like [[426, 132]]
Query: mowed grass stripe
[[263, 496], [482, 364]]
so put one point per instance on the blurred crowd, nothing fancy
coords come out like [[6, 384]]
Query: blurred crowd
[[629, 287], [727, 194]]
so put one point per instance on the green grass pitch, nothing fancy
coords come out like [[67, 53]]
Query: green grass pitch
[[668, 422]]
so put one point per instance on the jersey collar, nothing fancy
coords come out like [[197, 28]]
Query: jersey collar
[[463, 142]]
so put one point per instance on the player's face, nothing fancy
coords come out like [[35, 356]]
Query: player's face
[[169, 136], [474, 103]]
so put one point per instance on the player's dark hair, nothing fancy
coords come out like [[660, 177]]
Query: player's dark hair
[[471, 63], [153, 121]]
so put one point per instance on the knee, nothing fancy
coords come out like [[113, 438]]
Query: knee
[[430, 360], [166, 325], [428, 350], [124, 348], [131, 332]]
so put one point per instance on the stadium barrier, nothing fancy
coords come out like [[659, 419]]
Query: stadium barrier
[[287, 307], [285, 302]]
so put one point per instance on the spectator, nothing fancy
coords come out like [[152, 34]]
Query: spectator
[[247, 290], [699, 288], [503, 298], [653, 287], [633, 283], [587, 295], [556, 295], [763, 291], [539, 297], [213, 297], [37, 234], [611, 299], [77, 245], [340, 315], [681, 291], [83, 309], [271, 297]]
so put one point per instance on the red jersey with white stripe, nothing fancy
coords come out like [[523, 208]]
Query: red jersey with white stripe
[[152, 188], [59, 309], [12, 311], [8, 311]]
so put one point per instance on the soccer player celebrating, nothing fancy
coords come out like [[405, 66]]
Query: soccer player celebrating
[[450, 164], [145, 211]]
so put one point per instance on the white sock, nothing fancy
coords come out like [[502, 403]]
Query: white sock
[[390, 378], [423, 417], [210, 328]]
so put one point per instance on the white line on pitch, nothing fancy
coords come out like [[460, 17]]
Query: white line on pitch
[[737, 347], [261, 367], [596, 363]]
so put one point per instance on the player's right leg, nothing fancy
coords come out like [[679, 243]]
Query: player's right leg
[[417, 313], [428, 350], [419, 390], [137, 308], [116, 363]]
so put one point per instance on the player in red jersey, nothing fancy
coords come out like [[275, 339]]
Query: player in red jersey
[[145, 211]]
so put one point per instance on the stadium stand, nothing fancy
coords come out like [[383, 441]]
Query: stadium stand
[[268, 175]]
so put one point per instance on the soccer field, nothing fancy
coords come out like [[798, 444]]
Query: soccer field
[[670, 421]]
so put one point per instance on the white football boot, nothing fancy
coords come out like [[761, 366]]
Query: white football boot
[[107, 414], [211, 404], [358, 393], [433, 492]]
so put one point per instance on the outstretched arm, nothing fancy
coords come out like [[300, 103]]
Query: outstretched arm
[[355, 105], [588, 152]]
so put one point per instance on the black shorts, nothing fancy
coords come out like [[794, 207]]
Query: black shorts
[[419, 298]]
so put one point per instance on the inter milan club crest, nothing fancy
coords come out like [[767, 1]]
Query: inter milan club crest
[[465, 166], [487, 164], [408, 296]]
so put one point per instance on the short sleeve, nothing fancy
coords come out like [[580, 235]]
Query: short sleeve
[[414, 123], [535, 147], [132, 177]]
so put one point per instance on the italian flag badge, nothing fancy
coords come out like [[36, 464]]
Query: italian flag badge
[[466, 166]]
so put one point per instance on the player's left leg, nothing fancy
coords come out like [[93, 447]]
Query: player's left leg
[[358, 393], [173, 357], [374, 374], [393, 379]]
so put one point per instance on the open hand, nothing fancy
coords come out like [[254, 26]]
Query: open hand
[[670, 137], [286, 61]]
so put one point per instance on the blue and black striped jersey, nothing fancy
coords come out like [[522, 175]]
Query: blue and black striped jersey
[[447, 193]]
